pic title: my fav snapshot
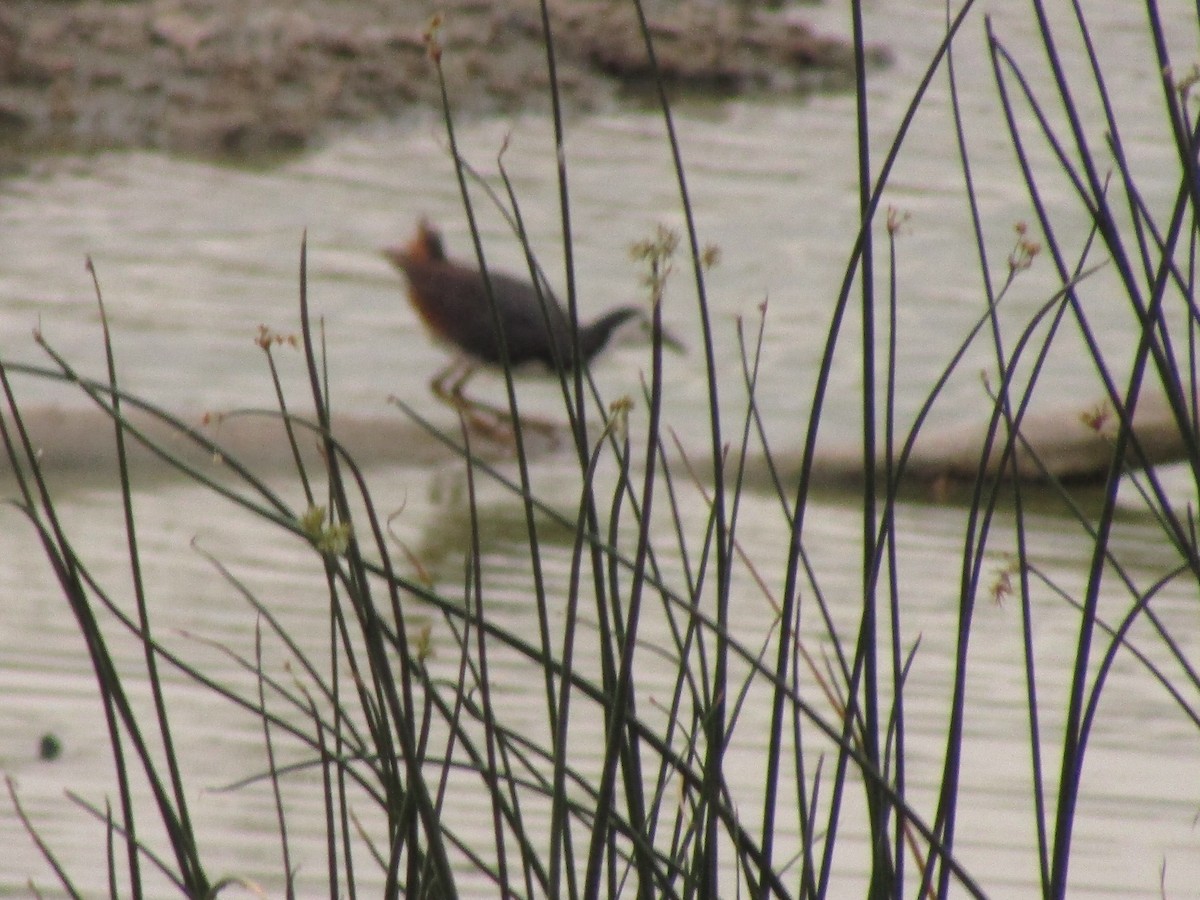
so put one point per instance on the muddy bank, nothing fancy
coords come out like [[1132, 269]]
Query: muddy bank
[[225, 77]]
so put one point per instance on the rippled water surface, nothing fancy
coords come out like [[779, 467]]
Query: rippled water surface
[[193, 257]]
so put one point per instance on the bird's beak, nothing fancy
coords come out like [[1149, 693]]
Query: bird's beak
[[397, 256]]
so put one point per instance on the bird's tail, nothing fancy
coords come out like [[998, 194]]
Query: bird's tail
[[594, 336]]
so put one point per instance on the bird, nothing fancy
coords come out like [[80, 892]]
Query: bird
[[452, 300]]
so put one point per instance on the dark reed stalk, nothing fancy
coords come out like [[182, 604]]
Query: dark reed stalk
[[1092, 193], [706, 856], [185, 846], [272, 768]]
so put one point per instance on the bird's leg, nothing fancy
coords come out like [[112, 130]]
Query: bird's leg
[[461, 369], [456, 389], [448, 386]]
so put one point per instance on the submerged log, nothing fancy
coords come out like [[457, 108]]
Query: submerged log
[[82, 442], [1065, 445], [1073, 445]]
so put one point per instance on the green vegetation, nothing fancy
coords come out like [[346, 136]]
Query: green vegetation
[[650, 813]]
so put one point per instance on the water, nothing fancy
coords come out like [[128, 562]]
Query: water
[[192, 257]]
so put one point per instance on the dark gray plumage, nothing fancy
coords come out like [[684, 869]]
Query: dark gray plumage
[[452, 300]]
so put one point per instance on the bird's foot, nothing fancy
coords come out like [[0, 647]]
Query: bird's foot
[[500, 426]]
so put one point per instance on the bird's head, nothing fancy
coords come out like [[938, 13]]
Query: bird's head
[[424, 247]]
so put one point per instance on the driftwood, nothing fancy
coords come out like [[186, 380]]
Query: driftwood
[[1070, 445]]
